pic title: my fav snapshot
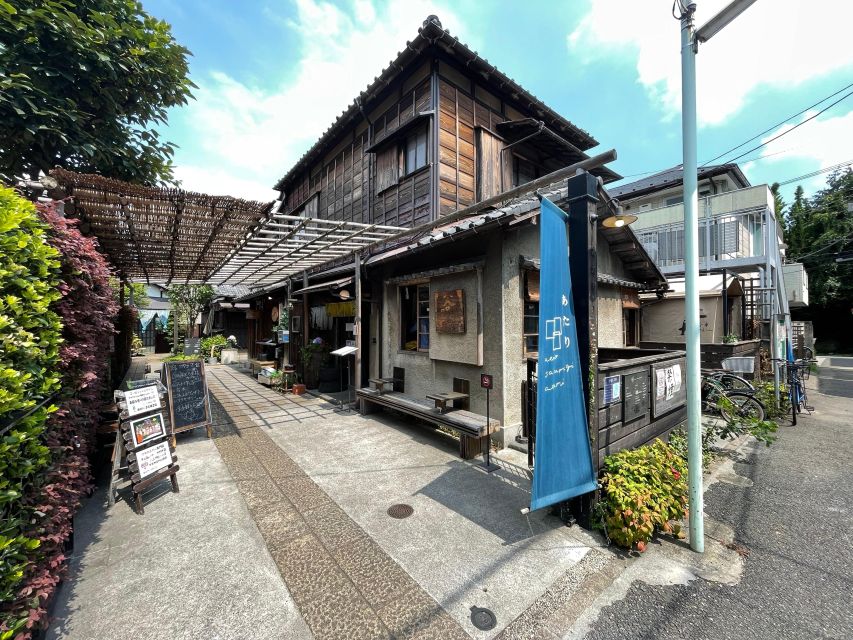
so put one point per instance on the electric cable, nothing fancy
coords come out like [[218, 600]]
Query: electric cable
[[799, 113], [784, 133]]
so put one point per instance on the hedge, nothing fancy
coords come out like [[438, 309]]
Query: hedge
[[77, 291]]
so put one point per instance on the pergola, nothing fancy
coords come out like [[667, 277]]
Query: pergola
[[166, 235], [159, 234], [284, 245]]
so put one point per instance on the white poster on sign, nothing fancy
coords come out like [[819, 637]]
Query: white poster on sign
[[142, 400], [153, 459]]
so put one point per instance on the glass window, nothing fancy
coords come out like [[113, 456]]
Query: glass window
[[415, 151], [414, 317], [530, 321]]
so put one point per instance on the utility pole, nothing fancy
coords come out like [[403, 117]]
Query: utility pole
[[690, 40]]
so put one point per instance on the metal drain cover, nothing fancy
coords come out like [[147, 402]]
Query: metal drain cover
[[483, 619], [400, 511]]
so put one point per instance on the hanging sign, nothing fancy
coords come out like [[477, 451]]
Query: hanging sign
[[563, 465], [141, 400]]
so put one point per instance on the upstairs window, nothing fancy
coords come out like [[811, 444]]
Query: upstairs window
[[414, 317], [415, 152], [523, 171]]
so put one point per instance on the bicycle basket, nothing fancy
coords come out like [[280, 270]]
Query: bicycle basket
[[739, 364]]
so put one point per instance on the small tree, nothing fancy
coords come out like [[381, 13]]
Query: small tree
[[188, 300]]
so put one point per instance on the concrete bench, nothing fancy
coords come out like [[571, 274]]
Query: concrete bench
[[471, 427]]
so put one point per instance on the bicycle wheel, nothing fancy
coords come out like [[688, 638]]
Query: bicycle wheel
[[744, 406], [733, 382]]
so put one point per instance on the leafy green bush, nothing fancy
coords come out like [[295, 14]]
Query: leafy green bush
[[180, 356], [30, 336], [678, 442], [765, 392], [643, 491], [211, 347]]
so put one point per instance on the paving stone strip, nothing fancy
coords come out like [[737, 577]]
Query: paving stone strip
[[344, 584]]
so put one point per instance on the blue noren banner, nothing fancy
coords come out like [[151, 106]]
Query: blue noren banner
[[563, 465]]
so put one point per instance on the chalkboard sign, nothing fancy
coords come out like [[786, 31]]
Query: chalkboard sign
[[189, 406], [192, 346]]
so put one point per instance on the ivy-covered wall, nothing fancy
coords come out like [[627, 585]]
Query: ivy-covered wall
[[57, 314]]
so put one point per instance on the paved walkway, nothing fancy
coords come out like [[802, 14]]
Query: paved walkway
[[318, 484], [345, 585], [193, 567], [790, 508]]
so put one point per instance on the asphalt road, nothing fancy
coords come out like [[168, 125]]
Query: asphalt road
[[796, 523]]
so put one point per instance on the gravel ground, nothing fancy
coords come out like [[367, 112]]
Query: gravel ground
[[796, 530]]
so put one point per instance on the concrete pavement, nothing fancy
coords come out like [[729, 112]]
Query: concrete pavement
[[789, 513]]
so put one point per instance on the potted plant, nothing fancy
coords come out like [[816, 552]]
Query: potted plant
[[229, 354]]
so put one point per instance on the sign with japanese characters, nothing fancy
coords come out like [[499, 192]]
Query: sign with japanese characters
[[152, 459], [563, 465], [142, 400]]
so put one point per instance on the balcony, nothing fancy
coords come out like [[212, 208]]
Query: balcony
[[731, 231]]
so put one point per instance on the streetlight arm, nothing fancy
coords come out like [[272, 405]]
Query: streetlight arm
[[722, 19]]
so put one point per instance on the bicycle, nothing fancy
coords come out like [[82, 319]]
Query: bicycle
[[795, 377], [730, 404], [729, 380]]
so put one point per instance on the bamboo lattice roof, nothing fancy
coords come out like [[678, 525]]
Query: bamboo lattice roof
[[284, 245], [160, 234]]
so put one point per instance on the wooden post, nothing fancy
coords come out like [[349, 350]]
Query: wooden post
[[305, 314], [357, 322], [121, 286], [583, 265]]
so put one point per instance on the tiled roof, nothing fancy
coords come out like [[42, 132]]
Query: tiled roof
[[432, 34], [672, 177]]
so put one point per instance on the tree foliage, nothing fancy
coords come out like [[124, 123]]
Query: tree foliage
[[83, 83], [818, 228], [188, 300]]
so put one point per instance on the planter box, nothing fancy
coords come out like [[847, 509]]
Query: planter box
[[229, 356]]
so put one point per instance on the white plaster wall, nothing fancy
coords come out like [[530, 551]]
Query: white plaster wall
[[610, 333]]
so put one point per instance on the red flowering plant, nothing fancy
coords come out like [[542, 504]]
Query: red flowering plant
[[643, 491], [87, 309]]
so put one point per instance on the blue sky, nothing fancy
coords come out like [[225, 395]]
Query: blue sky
[[274, 74]]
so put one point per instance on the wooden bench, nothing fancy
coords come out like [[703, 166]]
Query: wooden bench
[[471, 427]]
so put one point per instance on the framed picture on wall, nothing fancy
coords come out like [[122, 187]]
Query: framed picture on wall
[[450, 311]]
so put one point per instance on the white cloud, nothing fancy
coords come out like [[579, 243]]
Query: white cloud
[[823, 142], [255, 134], [778, 43], [219, 181]]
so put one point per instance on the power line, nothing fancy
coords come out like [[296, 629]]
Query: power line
[[840, 165], [796, 126], [799, 113], [822, 100]]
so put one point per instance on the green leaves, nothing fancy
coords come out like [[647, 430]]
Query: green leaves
[[643, 491], [82, 83]]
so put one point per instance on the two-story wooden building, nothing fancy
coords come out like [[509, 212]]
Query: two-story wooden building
[[438, 132]]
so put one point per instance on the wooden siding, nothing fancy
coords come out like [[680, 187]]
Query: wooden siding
[[346, 176]]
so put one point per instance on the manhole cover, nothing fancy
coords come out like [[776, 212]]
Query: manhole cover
[[400, 511], [483, 619]]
